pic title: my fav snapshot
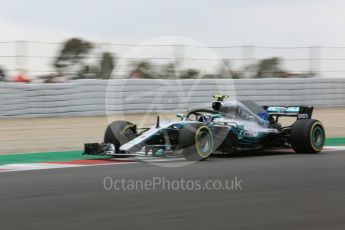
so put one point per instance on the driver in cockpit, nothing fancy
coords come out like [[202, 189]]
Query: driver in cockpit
[[205, 118]]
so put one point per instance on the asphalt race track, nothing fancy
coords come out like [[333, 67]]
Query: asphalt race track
[[280, 191]]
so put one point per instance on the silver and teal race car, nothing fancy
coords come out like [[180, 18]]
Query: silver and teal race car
[[227, 126]]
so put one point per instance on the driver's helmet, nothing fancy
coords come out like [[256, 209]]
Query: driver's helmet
[[205, 118]]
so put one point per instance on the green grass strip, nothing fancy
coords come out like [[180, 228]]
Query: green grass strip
[[45, 157], [77, 155], [335, 141]]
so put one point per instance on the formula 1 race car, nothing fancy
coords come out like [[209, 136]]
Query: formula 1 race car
[[227, 127]]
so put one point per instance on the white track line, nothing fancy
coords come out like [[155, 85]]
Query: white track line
[[52, 165], [45, 166]]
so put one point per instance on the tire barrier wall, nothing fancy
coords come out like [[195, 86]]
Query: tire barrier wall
[[100, 97]]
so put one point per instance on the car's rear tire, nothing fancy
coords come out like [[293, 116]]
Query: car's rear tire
[[196, 142], [119, 133], [307, 136]]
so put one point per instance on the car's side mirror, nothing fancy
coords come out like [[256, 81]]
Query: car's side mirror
[[180, 115]]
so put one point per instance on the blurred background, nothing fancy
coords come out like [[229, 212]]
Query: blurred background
[[56, 59], [78, 58], [254, 39]]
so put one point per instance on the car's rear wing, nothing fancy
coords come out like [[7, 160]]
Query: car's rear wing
[[301, 112]]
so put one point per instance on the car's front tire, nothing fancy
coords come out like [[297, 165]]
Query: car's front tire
[[196, 142], [307, 136]]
